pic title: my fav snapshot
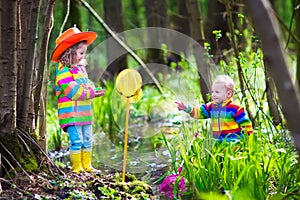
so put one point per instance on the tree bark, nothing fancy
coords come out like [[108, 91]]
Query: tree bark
[[156, 14], [0, 173], [181, 21], [40, 103], [122, 44], [297, 22], [268, 31], [216, 20], [8, 72], [233, 40], [135, 8], [113, 16], [17, 147], [27, 33], [8, 77], [272, 96], [75, 17], [197, 33]]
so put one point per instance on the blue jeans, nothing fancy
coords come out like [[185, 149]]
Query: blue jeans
[[80, 137]]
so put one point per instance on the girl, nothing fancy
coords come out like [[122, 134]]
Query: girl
[[75, 91]]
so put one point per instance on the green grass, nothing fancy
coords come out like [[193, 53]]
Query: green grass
[[264, 166], [56, 138], [254, 168]]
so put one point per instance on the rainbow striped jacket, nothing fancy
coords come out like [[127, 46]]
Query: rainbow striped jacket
[[228, 120], [74, 91]]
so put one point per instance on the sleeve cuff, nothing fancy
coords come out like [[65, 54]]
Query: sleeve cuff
[[189, 109]]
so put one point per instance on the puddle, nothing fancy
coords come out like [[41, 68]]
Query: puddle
[[143, 160]]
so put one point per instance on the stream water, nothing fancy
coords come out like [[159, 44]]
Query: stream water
[[146, 162], [143, 160]]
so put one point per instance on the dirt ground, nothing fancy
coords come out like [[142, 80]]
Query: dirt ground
[[65, 184]]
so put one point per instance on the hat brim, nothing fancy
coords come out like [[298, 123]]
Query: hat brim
[[89, 37]]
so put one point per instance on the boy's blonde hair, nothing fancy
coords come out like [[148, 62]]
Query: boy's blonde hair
[[227, 81]]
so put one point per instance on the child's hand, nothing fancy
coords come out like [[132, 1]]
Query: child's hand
[[83, 62], [99, 93], [181, 106]]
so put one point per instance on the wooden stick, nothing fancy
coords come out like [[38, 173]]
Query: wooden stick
[[125, 139]]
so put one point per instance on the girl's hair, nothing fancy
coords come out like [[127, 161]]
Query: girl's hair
[[69, 55], [227, 81]]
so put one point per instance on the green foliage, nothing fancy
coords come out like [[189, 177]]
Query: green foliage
[[109, 192], [149, 103], [109, 110], [254, 168], [104, 114], [217, 34], [285, 9], [134, 14], [264, 166], [114, 188], [29, 162], [56, 139]]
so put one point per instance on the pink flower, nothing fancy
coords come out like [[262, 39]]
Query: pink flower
[[167, 186]]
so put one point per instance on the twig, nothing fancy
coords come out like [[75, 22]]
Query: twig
[[42, 73], [106, 27], [41, 149], [15, 161], [291, 24], [10, 165], [241, 76], [297, 40], [27, 147], [66, 18], [15, 186]]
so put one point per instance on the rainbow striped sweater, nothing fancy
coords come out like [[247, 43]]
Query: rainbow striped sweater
[[228, 120], [74, 91]]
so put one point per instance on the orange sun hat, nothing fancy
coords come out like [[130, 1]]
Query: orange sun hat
[[69, 38]]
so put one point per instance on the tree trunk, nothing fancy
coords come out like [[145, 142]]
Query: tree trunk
[[233, 40], [114, 19], [26, 48], [75, 17], [272, 97], [267, 29], [40, 97], [181, 21], [156, 14], [8, 72], [216, 20], [135, 10], [8, 83], [297, 22], [17, 147], [197, 33], [0, 173]]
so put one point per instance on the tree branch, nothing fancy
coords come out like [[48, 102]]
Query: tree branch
[[106, 27], [267, 29]]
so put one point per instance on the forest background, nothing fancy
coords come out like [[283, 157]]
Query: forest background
[[230, 32]]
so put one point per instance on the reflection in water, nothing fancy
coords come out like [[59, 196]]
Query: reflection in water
[[141, 155], [145, 161]]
